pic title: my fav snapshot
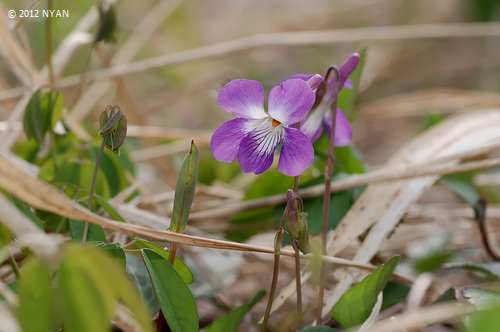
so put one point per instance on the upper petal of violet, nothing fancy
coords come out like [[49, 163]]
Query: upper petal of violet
[[244, 98], [226, 140], [348, 67], [314, 80], [290, 102], [297, 153]]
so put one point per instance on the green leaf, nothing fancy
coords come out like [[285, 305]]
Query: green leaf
[[433, 261], [430, 253], [175, 298], [42, 113], [184, 190], [5, 237], [88, 302], [485, 321], [107, 24], [340, 203], [179, 265], [394, 293], [462, 187], [233, 319], [116, 252], [136, 271], [95, 232], [26, 209], [108, 208], [481, 298], [57, 108], [482, 10], [447, 296], [355, 306], [32, 118], [35, 303], [348, 159], [86, 174], [90, 284], [492, 269], [112, 169]]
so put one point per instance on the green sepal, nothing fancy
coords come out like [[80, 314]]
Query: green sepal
[[184, 190]]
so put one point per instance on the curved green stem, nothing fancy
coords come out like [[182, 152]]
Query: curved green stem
[[92, 186], [277, 245]]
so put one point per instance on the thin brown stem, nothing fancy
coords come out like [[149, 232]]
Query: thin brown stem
[[171, 254], [277, 251], [274, 282], [296, 182], [300, 322], [326, 203], [92, 186], [480, 211], [48, 44]]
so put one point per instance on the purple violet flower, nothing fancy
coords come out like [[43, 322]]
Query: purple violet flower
[[255, 135], [312, 125]]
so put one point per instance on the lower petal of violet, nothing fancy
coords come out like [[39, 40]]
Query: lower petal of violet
[[256, 151], [297, 153], [226, 140], [343, 130]]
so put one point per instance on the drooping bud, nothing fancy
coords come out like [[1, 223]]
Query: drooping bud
[[320, 93], [347, 69], [314, 81], [113, 127], [303, 235], [297, 222]]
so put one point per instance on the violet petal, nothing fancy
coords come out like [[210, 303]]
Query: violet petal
[[297, 153], [314, 80], [290, 102], [312, 126], [226, 140], [348, 67], [256, 151], [343, 129], [244, 98], [304, 77]]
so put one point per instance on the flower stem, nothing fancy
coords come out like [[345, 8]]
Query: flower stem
[[298, 284], [277, 244], [296, 182], [172, 253], [92, 186], [14, 266], [277, 250], [48, 43], [326, 204], [53, 149], [480, 212]]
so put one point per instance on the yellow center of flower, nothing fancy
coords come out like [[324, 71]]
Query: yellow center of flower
[[275, 123]]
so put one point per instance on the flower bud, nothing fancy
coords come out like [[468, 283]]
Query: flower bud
[[297, 224], [303, 233]]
